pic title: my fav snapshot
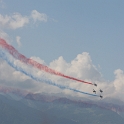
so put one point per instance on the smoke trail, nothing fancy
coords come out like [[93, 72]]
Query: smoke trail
[[33, 63], [4, 56]]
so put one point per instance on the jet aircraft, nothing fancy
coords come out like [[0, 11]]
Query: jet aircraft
[[100, 90], [94, 91]]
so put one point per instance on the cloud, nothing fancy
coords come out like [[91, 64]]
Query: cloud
[[119, 81], [38, 16], [80, 67], [18, 41], [16, 20], [4, 35], [13, 78], [7, 73], [77, 68]]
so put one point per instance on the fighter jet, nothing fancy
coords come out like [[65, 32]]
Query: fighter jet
[[94, 91], [100, 90]]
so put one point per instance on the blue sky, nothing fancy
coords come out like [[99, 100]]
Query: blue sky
[[71, 28]]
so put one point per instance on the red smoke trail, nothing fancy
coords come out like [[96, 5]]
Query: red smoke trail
[[33, 63]]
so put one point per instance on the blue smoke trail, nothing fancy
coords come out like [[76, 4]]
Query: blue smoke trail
[[4, 56]]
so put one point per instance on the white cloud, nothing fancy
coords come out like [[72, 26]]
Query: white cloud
[[77, 68], [81, 67], [7, 73], [38, 16], [37, 59], [13, 78], [15, 21], [18, 41], [119, 81], [4, 35]]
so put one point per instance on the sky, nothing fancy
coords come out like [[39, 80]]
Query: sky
[[81, 38]]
